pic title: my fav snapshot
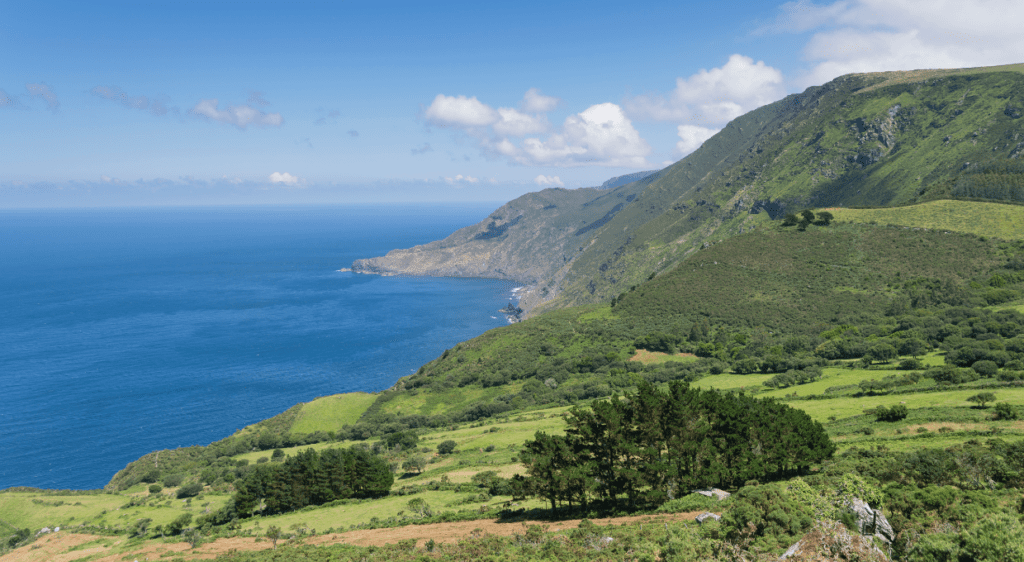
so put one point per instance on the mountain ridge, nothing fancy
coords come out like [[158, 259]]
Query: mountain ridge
[[876, 139]]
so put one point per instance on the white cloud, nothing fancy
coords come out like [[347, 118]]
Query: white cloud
[[240, 116], [691, 137], [714, 96], [536, 102], [548, 181], [600, 135], [285, 178], [515, 124], [461, 178], [43, 91], [883, 35], [460, 111]]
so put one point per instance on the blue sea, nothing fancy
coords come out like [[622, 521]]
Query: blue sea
[[124, 331]]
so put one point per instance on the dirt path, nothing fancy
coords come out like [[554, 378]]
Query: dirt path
[[66, 547]]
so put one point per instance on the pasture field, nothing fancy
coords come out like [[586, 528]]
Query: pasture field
[[748, 383], [973, 217], [331, 412], [656, 357], [37, 509]]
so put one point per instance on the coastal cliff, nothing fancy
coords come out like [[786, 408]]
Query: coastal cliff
[[528, 240]]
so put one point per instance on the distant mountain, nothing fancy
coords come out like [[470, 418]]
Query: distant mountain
[[627, 178], [879, 139]]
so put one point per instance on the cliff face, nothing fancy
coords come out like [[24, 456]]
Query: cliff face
[[870, 140], [528, 240]]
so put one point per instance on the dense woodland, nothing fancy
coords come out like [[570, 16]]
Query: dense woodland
[[650, 446]]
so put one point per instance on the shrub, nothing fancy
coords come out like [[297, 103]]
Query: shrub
[[446, 447], [155, 488], [173, 480], [1005, 411], [910, 364], [985, 368], [691, 502], [982, 398], [277, 456], [190, 490], [894, 414]]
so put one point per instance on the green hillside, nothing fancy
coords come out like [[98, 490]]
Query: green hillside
[[861, 140], [973, 217]]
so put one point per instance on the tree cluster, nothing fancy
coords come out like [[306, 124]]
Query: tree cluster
[[311, 478], [649, 445]]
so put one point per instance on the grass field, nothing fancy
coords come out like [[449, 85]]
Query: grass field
[[984, 219], [331, 412], [655, 357], [39, 509]]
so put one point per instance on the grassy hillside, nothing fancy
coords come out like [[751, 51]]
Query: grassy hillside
[[973, 217], [861, 140]]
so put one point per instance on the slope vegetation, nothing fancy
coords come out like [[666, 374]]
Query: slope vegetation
[[876, 139]]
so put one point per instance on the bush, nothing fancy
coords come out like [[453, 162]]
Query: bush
[[447, 447], [189, 490], [173, 480], [1005, 411], [691, 502], [894, 414], [910, 364], [985, 368], [277, 456], [155, 488]]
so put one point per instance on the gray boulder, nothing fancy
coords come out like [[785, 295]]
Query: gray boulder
[[707, 515], [870, 521]]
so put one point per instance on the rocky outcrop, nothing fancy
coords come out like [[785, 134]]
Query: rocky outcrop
[[831, 540], [870, 521]]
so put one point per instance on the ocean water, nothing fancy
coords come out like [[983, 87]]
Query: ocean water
[[127, 331]]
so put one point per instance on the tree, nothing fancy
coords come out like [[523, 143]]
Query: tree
[[415, 463], [277, 456], [446, 447], [882, 352], [824, 218], [189, 490], [155, 488], [420, 507], [404, 440], [175, 527], [982, 398], [790, 220], [912, 346], [273, 533]]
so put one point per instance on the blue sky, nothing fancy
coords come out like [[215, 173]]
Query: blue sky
[[110, 103]]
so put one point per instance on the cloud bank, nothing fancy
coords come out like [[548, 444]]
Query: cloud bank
[[600, 135], [883, 35]]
